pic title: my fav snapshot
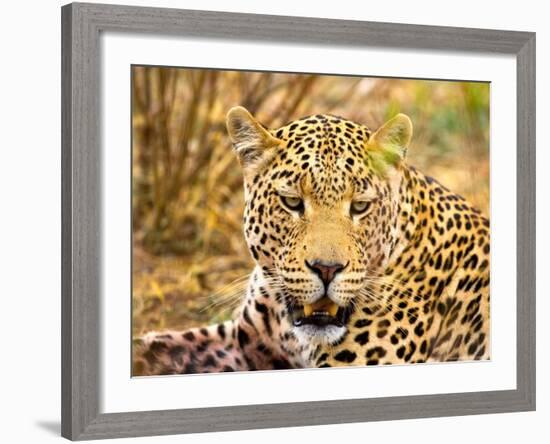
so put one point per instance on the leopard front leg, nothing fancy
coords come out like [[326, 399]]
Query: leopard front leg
[[198, 350], [226, 347]]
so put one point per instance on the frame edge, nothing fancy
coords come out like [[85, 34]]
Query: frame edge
[[526, 221], [66, 222], [80, 232]]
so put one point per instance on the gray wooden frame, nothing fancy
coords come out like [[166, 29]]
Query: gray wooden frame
[[81, 231]]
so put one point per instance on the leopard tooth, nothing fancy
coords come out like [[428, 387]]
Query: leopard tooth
[[308, 309], [333, 309]]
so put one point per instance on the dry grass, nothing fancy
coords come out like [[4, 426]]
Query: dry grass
[[187, 186]]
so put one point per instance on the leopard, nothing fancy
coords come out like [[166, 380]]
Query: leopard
[[359, 258]]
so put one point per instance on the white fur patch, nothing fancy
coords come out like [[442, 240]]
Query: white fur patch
[[313, 335]]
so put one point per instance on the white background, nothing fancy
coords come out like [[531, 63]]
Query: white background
[[30, 221]]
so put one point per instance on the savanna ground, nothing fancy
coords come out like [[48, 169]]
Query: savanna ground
[[190, 260]]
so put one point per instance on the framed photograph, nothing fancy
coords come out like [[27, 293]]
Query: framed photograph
[[278, 221]]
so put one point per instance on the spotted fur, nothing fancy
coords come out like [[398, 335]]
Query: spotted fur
[[413, 263]]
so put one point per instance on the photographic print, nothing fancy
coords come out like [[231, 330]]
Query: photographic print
[[288, 221]]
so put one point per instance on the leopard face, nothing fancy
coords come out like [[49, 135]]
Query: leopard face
[[321, 212]]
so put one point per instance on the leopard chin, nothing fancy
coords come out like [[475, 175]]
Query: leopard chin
[[326, 335], [322, 322]]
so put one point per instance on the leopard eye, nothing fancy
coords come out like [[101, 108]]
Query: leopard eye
[[293, 203], [360, 207]]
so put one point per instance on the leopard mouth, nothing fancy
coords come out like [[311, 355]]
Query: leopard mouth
[[322, 313]]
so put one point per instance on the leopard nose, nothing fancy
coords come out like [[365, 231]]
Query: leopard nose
[[325, 270]]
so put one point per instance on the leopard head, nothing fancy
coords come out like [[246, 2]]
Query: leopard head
[[321, 211]]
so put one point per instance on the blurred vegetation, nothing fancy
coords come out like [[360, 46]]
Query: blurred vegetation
[[187, 187]]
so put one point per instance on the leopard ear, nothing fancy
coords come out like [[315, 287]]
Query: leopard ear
[[254, 144], [392, 139]]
